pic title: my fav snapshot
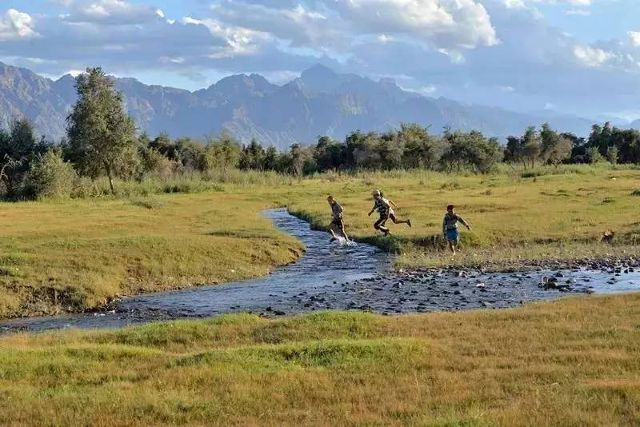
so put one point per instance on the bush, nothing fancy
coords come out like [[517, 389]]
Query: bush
[[50, 177]]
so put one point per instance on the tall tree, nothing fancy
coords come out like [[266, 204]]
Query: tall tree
[[531, 145], [100, 133], [18, 148]]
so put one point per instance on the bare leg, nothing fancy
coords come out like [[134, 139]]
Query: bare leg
[[379, 225], [399, 221], [344, 233]]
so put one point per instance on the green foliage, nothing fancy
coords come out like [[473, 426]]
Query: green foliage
[[223, 153], [18, 149], [624, 143], [51, 177], [612, 154], [472, 150], [101, 136], [593, 155]]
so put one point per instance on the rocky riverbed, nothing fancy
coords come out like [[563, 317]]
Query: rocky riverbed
[[458, 289]]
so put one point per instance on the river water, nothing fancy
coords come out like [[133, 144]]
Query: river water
[[331, 276]]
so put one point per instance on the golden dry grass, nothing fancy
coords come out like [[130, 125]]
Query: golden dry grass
[[569, 362], [78, 254]]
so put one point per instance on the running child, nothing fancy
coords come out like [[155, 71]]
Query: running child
[[337, 224], [450, 228], [384, 208]]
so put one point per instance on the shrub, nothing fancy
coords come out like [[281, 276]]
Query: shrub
[[50, 177]]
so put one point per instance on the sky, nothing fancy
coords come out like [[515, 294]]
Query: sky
[[578, 57]]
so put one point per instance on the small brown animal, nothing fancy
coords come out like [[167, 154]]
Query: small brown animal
[[607, 237]]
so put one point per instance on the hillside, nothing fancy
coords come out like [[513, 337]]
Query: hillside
[[319, 102]]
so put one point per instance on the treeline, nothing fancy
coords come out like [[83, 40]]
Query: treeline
[[102, 141], [605, 143]]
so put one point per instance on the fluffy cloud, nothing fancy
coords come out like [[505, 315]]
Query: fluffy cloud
[[16, 25], [634, 38], [331, 24], [443, 23], [592, 56]]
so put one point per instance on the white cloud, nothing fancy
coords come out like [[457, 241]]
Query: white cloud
[[592, 56], [16, 25], [634, 38], [240, 41], [441, 23]]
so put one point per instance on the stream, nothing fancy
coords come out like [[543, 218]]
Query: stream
[[331, 276]]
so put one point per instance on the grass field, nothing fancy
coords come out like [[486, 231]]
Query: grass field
[[57, 256], [78, 254], [569, 362]]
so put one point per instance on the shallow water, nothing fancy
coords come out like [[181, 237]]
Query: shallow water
[[334, 276]]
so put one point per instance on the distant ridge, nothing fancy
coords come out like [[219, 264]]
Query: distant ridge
[[319, 102]]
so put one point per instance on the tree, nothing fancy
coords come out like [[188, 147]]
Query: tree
[[100, 133], [531, 146], [298, 158], [271, 158], [252, 157], [50, 176], [223, 153], [554, 149], [578, 147], [420, 149], [18, 149], [612, 154], [471, 149], [329, 155], [593, 155], [514, 151]]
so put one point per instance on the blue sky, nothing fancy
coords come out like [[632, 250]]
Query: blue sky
[[575, 56]]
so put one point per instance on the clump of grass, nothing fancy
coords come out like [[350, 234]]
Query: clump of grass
[[636, 193], [453, 185]]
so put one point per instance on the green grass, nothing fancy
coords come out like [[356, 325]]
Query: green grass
[[73, 255], [570, 362]]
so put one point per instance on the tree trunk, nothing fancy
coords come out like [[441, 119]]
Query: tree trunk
[[110, 176]]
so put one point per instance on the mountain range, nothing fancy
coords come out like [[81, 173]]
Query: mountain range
[[319, 102]]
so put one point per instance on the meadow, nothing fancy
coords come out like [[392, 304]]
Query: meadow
[[568, 362], [73, 255]]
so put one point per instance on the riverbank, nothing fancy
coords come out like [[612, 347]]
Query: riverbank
[[74, 256], [569, 362]]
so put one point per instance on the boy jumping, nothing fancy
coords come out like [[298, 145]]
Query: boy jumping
[[337, 224], [450, 228], [384, 208]]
